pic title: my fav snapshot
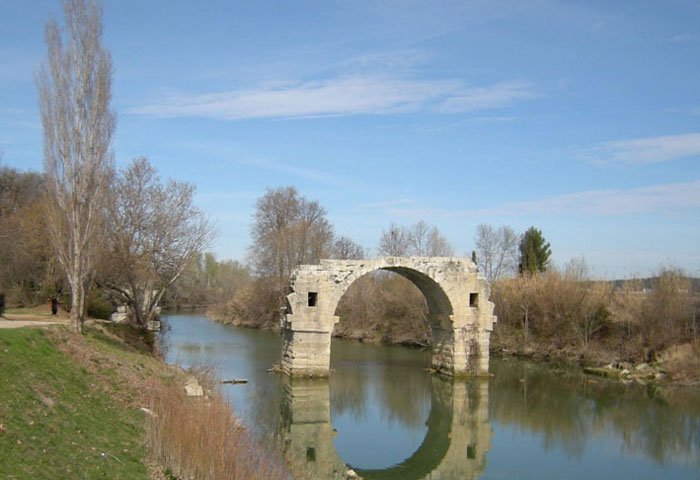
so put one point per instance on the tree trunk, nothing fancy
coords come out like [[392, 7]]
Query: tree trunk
[[76, 304]]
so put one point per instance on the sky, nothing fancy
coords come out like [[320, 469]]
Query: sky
[[581, 118]]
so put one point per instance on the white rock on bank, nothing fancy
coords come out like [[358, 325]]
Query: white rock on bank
[[193, 388]]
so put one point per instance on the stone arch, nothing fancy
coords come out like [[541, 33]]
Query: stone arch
[[461, 315], [436, 298]]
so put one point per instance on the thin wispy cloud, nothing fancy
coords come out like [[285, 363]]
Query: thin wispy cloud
[[390, 61], [227, 196], [354, 95], [387, 203], [647, 150], [666, 198], [684, 38], [311, 174], [493, 96], [672, 198]]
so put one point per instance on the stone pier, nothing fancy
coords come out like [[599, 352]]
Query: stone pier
[[460, 313]]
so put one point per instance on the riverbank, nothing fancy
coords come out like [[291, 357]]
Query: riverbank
[[71, 405], [678, 365], [94, 406]]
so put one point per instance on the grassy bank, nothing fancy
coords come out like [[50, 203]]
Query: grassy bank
[[100, 405], [66, 419]]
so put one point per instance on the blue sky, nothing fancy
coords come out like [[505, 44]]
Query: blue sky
[[579, 117]]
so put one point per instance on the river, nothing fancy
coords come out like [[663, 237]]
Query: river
[[384, 415]]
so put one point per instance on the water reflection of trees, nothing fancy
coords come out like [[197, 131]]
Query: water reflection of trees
[[349, 392], [406, 398], [393, 379], [569, 409]]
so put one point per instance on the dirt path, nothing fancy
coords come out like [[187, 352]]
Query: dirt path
[[4, 323], [17, 320]]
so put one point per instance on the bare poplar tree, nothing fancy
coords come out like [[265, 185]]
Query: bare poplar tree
[[426, 241], [496, 250], [74, 96], [420, 239], [394, 242], [438, 246], [154, 231]]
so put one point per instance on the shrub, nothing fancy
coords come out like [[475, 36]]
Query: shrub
[[98, 305], [558, 307], [668, 314], [199, 438]]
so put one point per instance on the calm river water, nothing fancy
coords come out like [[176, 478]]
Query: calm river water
[[384, 416]]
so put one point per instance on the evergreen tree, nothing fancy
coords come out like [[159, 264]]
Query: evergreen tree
[[534, 252]]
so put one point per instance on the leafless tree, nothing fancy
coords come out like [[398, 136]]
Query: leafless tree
[[27, 261], [426, 241], [420, 239], [344, 248], [74, 96], [496, 250], [154, 231], [439, 246], [395, 242], [288, 230]]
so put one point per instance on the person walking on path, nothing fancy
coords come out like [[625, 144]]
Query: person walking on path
[[54, 305]]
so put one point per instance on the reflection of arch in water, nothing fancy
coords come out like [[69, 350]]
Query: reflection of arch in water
[[460, 314], [455, 446]]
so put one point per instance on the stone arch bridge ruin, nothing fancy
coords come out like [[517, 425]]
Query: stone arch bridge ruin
[[460, 313]]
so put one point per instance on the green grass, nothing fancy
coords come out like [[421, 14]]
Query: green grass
[[61, 419]]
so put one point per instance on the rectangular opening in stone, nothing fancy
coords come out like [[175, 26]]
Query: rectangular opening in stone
[[473, 299], [471, 451], [313, 299], [310, 454]]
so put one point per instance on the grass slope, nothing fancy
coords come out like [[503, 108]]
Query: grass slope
[[69, 405]]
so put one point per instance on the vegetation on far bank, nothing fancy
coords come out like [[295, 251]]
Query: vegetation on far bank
[[566, 316]]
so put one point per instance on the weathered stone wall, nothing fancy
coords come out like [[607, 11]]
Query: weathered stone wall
[[461, 315]]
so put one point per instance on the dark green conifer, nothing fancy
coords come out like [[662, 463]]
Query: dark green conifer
[[534, 252]]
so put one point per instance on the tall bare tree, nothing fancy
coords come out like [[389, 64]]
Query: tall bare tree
[[288, 230], [74, 97], [427, 241], [27, 261], [420, 239], [395, 242], [496, 250], [154, 231], [344, 248]]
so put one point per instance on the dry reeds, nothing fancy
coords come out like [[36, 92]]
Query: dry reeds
[[567, 310], [200, 438]]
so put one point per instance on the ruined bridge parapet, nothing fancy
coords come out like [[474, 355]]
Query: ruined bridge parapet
[[460, 313]]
